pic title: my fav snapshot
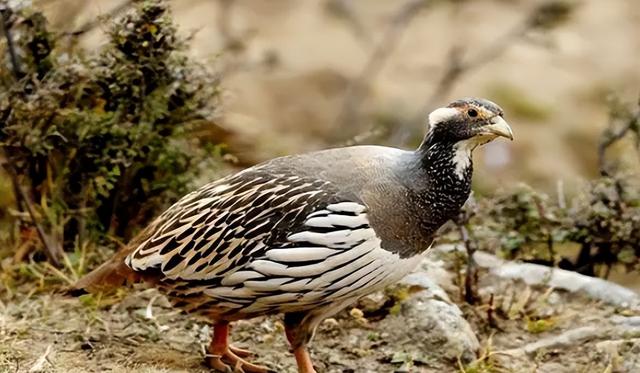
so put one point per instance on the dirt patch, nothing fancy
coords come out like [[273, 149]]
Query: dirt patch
[[142, 333]]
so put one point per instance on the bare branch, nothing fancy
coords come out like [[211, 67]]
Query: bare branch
[[93, 23], [543, 17], [344, 10], [378, 58], [612, 136], [52, 250], [456, 67], [464, 230], [5, 13]]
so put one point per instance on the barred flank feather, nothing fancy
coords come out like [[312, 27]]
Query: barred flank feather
[[254, 244]]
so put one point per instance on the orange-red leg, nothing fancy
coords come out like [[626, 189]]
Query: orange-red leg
[[303, 359], [228, 359]]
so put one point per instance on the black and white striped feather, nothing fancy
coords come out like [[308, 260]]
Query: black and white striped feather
[[259, 242]]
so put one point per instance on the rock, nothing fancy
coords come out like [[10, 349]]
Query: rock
[[429, 324], [535, 274], [559, 341], [430, 288], [626, 320]]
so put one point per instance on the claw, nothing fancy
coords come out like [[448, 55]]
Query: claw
[[229, 362], [216, 363]]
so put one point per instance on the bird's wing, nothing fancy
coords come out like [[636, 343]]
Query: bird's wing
[[280, 236], [218, 228]]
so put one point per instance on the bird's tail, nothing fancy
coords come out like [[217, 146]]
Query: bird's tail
[[112, 274]]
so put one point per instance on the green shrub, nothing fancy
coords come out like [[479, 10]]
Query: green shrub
[[101, 143]]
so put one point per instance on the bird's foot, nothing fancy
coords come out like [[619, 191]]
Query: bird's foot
[[230, 360]]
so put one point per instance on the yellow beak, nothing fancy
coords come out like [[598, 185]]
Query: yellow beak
[[498, 127]]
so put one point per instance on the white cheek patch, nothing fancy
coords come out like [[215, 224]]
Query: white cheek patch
[[462, 156], [442, 115]]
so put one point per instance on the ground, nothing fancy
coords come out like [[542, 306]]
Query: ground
[[142, 333]]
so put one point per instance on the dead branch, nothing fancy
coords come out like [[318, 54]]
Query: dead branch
[[5, 13], [462, 223], [93, 23], [53, 251], [379, 56], [542, 275], [575, 337], [344, 10], [612, 136], [543, 16]]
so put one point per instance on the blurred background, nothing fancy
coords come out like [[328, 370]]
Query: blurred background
[[111, 110], [305, 75], [114, 109]]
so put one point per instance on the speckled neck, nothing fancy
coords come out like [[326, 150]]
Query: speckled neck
[[432, 194], [440, 189]]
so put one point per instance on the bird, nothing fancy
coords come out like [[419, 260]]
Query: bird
[[305, 235]]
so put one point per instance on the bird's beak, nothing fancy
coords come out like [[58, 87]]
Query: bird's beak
[[498, 127]]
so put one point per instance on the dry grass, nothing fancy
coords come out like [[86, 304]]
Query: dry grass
[[139, 331]]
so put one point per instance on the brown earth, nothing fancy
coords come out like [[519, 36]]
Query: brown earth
[[51, 333]]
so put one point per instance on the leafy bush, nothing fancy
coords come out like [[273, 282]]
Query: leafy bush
[[102, 143]]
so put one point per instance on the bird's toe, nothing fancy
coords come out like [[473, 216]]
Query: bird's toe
[[240, 352], [216, 363], [231, 362]]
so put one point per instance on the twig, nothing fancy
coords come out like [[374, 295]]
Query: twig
[[469, 294], [52, 250], [224, 22], [39, 365], [574, 337], [490, 310], [462, 223], [343, 9], [611, 136], [456, 66], [5, 13], [379, 57], [542, 275], [545, 228], [545, 15], [562, 202], [93, 23]]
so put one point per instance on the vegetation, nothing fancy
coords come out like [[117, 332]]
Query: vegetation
[[96, 145], [602, 221]]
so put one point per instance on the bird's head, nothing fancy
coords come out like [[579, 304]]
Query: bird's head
[[472, 120], [457, 129]]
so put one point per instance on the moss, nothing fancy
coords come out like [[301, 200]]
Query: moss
[[539, 326]]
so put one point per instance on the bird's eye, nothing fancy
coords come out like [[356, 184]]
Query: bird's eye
[[472, 113]]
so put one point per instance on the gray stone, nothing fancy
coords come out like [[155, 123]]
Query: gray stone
[[429, 324]]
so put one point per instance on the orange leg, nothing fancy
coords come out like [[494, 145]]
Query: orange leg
[[303, 359], [228, 359]]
